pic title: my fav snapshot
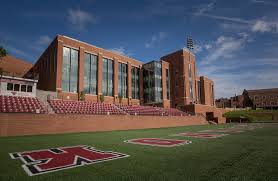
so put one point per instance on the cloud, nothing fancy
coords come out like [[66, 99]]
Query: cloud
[[225, 18], [156, 39], [226, 47], [263, 2], [206, 7], [121, 50], [197, 49], [265, 26], [207, 46], [44, 40], [205, 10], [16, 51], [79, 19]]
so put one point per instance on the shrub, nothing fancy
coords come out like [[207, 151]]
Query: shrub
[[82, 96], [101, 98]]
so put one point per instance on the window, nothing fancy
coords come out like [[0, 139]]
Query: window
[[23, 88], [190, 70], [70, 70], [168, 83], [10, 87], [29, 88], [16, 87], [135, 82], [199, 91], [90, 74], [191, 89], [122, 80], [263, 97], [107, 77]]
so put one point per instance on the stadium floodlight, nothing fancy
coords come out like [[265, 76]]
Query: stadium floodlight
[[190, 45]]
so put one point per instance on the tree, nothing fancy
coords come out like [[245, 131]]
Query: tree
[[101, 98], [82, 96], [120, 99], [3, 52], [247, 102]]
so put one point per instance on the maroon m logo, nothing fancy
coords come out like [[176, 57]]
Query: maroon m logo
[[54, 159]]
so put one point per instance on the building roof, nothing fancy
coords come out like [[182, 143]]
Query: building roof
[[262, 90], [13, 66]]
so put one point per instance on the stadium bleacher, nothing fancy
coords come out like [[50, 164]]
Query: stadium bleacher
[[83, 107], [152, 111], [15, 104]]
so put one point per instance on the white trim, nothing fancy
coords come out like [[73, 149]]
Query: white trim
[[195, 135], [19, 78]]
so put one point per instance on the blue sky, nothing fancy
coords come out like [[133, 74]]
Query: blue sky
[[235, 41]]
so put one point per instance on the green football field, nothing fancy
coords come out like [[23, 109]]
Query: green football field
[[250, 155]]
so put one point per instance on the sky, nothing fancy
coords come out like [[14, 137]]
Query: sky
[[235, 42]]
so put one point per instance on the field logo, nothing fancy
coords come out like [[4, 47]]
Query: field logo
[[229, 130], [200, 135], [44, 161], [160, 142]]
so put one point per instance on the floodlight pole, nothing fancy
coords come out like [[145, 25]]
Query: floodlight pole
[[190, 46]]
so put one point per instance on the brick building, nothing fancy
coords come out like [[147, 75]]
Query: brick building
[[264, 98], [69, 66]]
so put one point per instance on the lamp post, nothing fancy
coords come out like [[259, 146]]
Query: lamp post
[[190, 46]]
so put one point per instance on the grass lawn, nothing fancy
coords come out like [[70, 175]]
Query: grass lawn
[[252, 155], [252, 115]]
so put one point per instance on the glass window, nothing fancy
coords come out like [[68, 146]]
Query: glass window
[[10, 87], [190, 70], [70, 70], [168, 83], [66, 69], [135, 72], [73, 70], [29, 88], [122, 80], [16, 87], [23, 88], [107, 77], [90, 74]]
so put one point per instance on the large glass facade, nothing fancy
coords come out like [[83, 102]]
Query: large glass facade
[[168, 83], [190, 81], [135, 74], [70, 70], [90, 74], [122, 80], [107, 77], [152, 74], [199, 91]]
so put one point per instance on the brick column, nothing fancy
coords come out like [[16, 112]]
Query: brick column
[[129, 83], [81, 70], [141, 82], [59, 65], [115, 80], [99, 75], [164, 86]]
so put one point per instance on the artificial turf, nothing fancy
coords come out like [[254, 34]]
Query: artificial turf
[[252, 155]]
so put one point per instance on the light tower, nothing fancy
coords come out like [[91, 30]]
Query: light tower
[[190, 46]]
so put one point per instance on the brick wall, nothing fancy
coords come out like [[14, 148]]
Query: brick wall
[[30, 124]]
